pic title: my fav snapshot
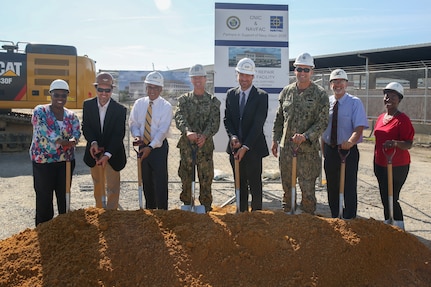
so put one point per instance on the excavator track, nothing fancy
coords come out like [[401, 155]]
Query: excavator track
[[15, 131]]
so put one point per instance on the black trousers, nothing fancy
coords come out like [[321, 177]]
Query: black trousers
[[47, 179], [155, 178], [399, 176], [332, 166], [250, 180]]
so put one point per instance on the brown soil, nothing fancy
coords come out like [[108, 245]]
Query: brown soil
[[94, 247]]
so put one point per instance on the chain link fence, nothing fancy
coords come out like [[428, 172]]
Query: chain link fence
[[368, 85]]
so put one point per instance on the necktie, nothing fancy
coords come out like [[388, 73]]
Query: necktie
[[147, 131], [334, 124], [242, 104], [241, 110]]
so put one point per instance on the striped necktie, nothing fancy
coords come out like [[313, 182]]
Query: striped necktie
[[147, 132]]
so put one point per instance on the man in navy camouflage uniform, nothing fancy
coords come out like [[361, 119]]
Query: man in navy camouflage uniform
[[301, 118], [197, 116]]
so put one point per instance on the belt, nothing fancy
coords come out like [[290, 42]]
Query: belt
[[332, 145], [336, 146]]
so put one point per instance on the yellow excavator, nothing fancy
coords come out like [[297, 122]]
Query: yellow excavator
[[26, 71]]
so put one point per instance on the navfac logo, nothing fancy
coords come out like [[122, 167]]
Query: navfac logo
[[233, 22], [276, 24]]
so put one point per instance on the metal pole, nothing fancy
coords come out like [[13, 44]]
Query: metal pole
[[426, 91], [367, 77]]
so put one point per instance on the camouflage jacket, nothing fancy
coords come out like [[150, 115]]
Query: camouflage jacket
[[305, 113], [198, 114]]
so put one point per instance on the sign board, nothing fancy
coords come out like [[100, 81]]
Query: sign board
[[258, 32]]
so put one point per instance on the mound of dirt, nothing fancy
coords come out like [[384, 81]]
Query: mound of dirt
[[94, 247]]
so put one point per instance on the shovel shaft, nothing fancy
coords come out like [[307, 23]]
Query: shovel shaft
[[340, 205], [140, 199], [237, 185], [140, 188], [102, 185], [341, 192], [390, 192], [389, 156], [100, 190], [68, 183], [67, 202], [194, 157], [390, 180], [343, 156], [293, 190]]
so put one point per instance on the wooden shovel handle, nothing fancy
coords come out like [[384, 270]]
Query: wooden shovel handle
[[389, 157], [294, 160], [342, 177], [237, 175], [68, 176], [390, 181], [68, 184]]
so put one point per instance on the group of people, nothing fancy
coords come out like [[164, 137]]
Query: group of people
[[307, 122], [57, 130]]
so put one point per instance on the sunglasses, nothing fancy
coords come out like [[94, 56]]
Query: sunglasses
[[100, 90], [305, 70], [55, 95]]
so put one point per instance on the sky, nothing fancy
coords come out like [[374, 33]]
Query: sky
[[174, 34]]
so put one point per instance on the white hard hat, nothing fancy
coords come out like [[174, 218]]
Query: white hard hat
[[59, 85], [395, 86], [338, 74], [245, 66], [304, 59], [197, 70], [104, 78], [154, 78]]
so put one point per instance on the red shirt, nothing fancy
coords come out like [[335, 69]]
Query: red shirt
[[399, 128]]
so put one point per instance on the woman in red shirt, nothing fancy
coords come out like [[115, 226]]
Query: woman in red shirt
[[393, 130]]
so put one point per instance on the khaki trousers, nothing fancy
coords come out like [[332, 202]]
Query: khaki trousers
[[111, 193]]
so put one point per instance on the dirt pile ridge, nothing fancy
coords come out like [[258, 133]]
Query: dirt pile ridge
[[94, 247]]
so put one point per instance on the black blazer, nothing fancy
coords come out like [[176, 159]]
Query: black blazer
[[253, 120], [114, 130]]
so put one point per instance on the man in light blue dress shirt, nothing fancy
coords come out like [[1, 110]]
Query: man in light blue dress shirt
[[351, 121]]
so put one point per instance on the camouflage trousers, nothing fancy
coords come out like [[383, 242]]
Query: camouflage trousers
[[205, 168], [308, 168]]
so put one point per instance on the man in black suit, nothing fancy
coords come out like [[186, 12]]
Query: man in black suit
[[104, 128], [245, 115]]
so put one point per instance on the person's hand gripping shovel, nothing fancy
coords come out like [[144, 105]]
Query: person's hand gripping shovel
[[192, 207], [343, 155], [389, 156], [139, 143], [101, 192]]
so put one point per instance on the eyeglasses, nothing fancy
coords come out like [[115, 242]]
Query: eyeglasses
[[100, 90], [305, 70], [55, 95]]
